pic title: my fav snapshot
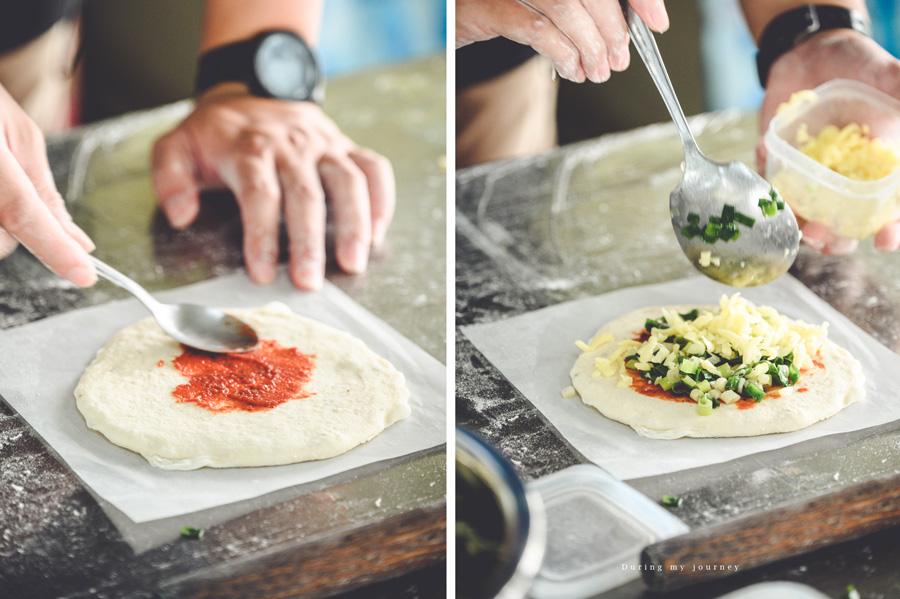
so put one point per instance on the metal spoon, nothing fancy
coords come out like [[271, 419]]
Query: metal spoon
[[764, 251], [200, 327]]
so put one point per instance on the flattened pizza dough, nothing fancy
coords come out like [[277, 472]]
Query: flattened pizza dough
[[127, 395], [829, 389]]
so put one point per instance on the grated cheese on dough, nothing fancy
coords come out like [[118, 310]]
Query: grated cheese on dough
[[737, 328]]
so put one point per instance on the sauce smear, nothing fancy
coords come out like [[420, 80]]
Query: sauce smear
[[254, 381]]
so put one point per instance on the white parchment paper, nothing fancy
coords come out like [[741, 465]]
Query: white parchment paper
[[536, 351], [43, 361]]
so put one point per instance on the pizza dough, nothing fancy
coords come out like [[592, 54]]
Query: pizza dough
[[829, 390], [127, 395]]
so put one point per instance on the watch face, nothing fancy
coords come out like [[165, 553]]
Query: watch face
[[286, 67]]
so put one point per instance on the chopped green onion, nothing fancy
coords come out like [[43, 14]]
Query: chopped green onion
[[852, 593], [692, 315], [681, 388], [742, 370], [771, 205], [690, 232], [665, 383], [743, 219], [689, 367], [727, 213], [669, 501], [660, 323], [189, 532], [780, 374], [657, 371], [754, 391], [768, 207], [705, 405], [724, 227]]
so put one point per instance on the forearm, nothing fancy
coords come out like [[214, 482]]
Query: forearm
[[760, 13], [227, 21]]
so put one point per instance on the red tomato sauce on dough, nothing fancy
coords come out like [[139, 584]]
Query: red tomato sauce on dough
[[254, 381], [645, 387]]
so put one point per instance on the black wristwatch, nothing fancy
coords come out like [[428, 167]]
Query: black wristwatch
[[795, 26], [273, 64]]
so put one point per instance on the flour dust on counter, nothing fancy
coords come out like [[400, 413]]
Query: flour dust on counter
[[307, 392]]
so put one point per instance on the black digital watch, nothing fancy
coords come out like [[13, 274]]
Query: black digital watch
[[273, 64]]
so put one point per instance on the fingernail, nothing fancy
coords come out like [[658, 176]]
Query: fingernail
[[82, 276], [888, 239], [814, 243], [841, 246], [263, 272], [659, 18], [890, 245], [619, 61], [262, 266], [379, 232], [356, 258], [618, 54], [308, 275], [179, 210], [815, 235], [78, 234]]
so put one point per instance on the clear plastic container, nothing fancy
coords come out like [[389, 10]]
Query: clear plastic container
[[856, 209], [596, 528]]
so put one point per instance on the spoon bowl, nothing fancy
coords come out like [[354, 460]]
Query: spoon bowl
[[764, 246], [196, 326], [761, 253]]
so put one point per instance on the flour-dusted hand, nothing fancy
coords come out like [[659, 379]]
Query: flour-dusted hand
[[31, 210], [277, 157], [585, 39], [836, 54]]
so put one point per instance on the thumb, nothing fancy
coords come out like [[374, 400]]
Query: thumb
[[174, 179]]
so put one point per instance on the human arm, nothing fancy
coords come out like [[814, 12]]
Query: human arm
[[826, 55], [278, 157], [31, 210], [585, 40]]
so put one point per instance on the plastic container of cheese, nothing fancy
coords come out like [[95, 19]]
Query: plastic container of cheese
[[850, 208]]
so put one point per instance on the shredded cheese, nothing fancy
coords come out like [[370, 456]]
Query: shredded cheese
[[736, 328], [850, 151]]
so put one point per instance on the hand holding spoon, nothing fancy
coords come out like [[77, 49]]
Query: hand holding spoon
[[763, 249], [199, 327]]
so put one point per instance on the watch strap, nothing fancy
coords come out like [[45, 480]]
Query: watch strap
[[795, 26], [231, 62]]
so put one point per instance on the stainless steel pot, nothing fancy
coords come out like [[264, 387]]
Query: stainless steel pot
[[501, 527]]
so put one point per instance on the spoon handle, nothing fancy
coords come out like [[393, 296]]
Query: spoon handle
[[114, 276], [649, 53]]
